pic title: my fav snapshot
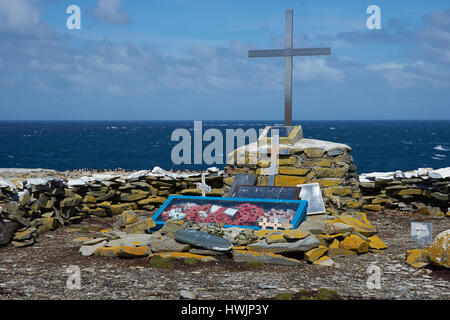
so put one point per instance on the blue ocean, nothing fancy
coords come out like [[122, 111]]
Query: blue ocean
[[136, 145]]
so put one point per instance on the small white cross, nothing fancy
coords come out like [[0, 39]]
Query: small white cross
[[203, 186]]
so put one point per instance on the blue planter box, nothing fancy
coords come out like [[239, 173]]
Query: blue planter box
[[297, 206]]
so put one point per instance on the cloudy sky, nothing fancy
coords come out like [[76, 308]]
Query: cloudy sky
[[187, 60]]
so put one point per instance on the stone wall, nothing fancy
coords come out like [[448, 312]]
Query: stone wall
[[35, 205], [425, 191], [308, 161]]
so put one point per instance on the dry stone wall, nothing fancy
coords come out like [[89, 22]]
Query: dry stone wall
[[31, 206], [425, 191], [36, 205]]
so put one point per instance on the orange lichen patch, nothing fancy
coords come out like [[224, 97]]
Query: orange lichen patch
[[438, 253], [239, 248], [332, 236], [416, 258], [105, 230], [361, 226], [314, 254], [296, 234], [132, 218], [83, 239], [264, 257], [132, 252], [354, 243], [264, 232], [376, 243], [107, 251], [275, 238], [334, 244], [183, 255], [141, 226]]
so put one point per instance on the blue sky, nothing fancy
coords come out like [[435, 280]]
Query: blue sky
[[187, 60]]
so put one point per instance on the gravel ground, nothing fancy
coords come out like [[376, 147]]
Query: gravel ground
[[40, 271]]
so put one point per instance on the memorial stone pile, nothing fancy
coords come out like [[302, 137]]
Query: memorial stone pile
[[303, 161]]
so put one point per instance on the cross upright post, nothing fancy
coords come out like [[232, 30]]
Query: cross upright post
[[288, 70], [203, 186], [288, 53]]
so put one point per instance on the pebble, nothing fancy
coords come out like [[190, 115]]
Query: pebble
[[185, 294], [266, 286]]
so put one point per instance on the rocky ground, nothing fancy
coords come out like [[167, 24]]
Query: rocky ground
[[40, 271]]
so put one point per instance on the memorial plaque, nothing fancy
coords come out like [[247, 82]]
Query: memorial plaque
[[239, 212], [311, 193], [422, 233], [243, 179], [267, 192]]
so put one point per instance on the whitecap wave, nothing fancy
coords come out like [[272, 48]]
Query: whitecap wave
[[441, 148], [406, 142], [437, 158], [439, 155]]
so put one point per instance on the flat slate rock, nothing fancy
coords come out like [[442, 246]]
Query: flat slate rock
[[203, 240]]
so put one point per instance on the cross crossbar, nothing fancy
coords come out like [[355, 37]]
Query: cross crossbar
[[289, 52]]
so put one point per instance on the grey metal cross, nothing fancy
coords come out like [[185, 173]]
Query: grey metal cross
[[288, 53]]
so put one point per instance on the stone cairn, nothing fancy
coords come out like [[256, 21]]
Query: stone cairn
[[425, 191], [309, 161]]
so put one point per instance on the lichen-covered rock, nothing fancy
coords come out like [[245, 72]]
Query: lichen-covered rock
[[314, 254], [301, 245], [142, 226], [438, 253], [275, 238], [354, 243], [296, 234], [324, 261], [376, 243], [183, 255], [416, 258], [168, 244], [133, 252], [170, 227], [339, 252], [25, 234], [263, 257], [361, 225], [90, 249], [7, 229]]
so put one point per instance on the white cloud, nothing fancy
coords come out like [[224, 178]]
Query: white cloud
[[307, 69], [417, 74], [22, 18], [110, 11]]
